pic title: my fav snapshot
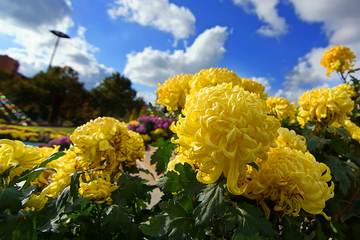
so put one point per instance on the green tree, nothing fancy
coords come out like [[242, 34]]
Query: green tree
[[114, 97]]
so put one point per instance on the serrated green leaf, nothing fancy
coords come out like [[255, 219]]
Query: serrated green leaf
[[157, 226], [354, 157], [340, 146], [291, 229], [20, 225], [10, 198], [308, 127], [319, 233], [341, 130], [131, 189], [247, 222], [185, 181], [162, 155], [116, 217], [212, 203], [340, 172]]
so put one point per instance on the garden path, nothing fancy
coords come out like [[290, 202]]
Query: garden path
[[145, 164]]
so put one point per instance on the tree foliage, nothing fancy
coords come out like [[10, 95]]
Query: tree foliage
[[114, 97]]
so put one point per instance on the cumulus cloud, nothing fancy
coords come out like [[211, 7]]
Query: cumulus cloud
[[160, 14], [147, 97], [29, 23], [341, 22], [267, 13], [152, 66], [263, 81]]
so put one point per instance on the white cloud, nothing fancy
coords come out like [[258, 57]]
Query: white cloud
[[341, 22], [266, 12], [152, 66], [263, 81], [160, 14], [147, 97], [29, 22]]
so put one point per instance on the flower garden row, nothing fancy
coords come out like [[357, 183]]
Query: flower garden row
[[246, 166]]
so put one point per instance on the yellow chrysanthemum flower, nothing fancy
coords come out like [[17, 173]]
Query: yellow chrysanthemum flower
[[173, 92], [159, 131], [98, 190], [338, 58], [109, 139], [349, 89], [212, 77], [43, 179], [36, 202], [324, 105], [293, 180], [353, 129], [65, 166], [282, 108], [289, 138], [254, 87], [146, 137], [13, 153], [179, 159], [225, 128]]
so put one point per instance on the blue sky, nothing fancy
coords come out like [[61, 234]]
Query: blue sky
[[276, 42]]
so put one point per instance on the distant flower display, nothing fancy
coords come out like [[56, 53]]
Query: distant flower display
[[225, 128], [338, 58]]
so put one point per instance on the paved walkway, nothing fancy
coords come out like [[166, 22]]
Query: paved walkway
[[145, 164]]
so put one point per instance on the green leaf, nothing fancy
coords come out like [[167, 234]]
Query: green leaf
[[340, 146], [116, 217], [21, 225], [155, 111], [157, 227], [162, 155], [319, 233], [212, 203], [131, 190], [340, 172], [185, 181], [341, 130], [308, 127], [291, 229], [315, 143], [247, 222], [10, 198]]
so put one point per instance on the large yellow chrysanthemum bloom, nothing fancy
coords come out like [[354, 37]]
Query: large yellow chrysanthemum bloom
[[293, 180], [65, 166], [282, 108], [212, 77], [338, 58], [289, 138], [324, 105], [225, 128], [98, 190], [254, 87], [353, 129], [349, 89], [13, 153], [43, 179], [173, 92], [106, 138], [35, 202]]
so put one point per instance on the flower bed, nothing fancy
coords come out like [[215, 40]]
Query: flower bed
[[236, 165]]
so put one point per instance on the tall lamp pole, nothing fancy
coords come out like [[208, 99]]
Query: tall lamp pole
[[59, 35]]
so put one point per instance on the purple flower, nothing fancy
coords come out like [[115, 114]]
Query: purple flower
[[141, 128]]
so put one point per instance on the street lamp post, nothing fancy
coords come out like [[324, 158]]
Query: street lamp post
[[59, 35]]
